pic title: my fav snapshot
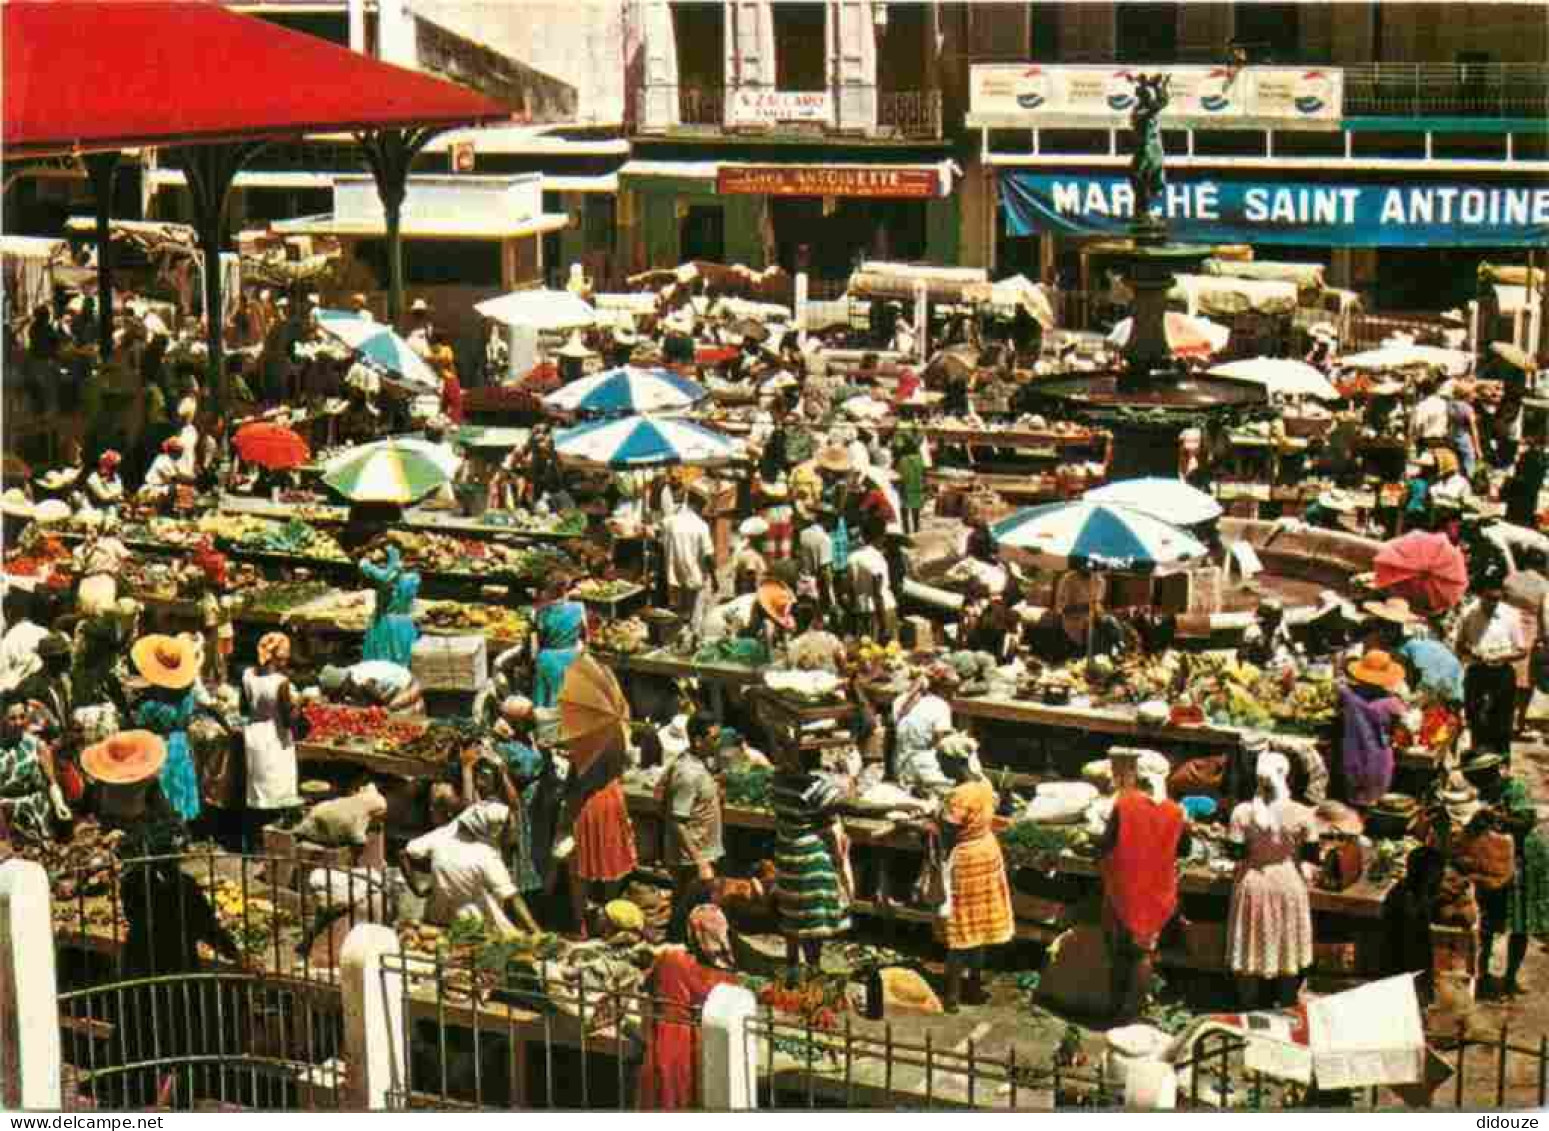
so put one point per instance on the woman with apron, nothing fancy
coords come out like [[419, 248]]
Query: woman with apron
[[268, 739]]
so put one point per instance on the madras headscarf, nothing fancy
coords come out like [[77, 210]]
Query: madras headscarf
[[273, 646], [710, 933]]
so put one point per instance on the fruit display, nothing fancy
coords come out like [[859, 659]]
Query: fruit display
[[597, 589], [439, 742], [441, 553], [168, 532], [819, 1003], [252, 922], [459, 618], [295, 538], [329, 723], [622, 637], [36, 555]]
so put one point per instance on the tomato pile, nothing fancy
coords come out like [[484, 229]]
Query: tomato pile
[[327, 722]]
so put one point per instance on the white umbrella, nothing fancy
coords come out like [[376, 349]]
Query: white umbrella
[[1281, 375], [378, 344], [553, 311], [1170, 500], [1454, 362], [1096, 537], [439, 454], [646, 441]]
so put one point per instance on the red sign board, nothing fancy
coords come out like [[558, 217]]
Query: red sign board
[[835, 180]]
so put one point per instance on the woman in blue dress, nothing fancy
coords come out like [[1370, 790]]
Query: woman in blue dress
[[392, 633], [559, 633], [171, 666]]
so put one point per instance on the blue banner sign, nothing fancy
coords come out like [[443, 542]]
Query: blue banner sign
[[1222, 210]]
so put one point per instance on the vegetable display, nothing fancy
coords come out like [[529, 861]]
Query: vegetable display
[[330, 723], [285, 596], [749, 787]]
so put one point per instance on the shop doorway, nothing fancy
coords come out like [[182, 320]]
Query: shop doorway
[[839, 236], [702, 234]]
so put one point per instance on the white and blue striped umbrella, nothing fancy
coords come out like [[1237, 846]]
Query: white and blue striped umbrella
[[1097, 537], [381, 347], [617, 392], [643, 441], [1171, 500]]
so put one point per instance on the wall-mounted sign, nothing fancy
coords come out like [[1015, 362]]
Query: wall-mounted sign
[[1033, 95], [747, 106], [1220, 210], [833, 180], [463, 157]]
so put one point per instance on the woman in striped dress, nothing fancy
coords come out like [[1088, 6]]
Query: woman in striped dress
[[812, 886], [980, 914]]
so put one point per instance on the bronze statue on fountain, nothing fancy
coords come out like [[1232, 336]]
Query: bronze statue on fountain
[[1153, 396]]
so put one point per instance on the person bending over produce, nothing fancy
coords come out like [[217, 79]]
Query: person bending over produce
[[373, 683], [468, 875]]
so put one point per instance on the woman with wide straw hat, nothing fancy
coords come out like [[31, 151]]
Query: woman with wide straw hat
[[269, 739], [1368, 710], [170, 664], [124, 770]]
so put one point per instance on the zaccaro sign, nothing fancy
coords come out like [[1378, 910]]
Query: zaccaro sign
[[833, 180], [1224, 210], [753, 107], [1030, 95]]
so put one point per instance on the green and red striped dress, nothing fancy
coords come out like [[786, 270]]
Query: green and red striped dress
[[808, 895]]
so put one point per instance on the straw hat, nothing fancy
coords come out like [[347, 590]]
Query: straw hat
[[1337, 817], [1446, 462], [165, 661], [625, 336], [777, 600], [754, 527], [58, 478], [126, 758], [419, 306], [574, 347], [1378, 669], [834, 458], [1394, 610]]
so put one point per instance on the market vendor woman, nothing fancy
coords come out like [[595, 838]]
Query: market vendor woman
[[559, 632], [392, 634]]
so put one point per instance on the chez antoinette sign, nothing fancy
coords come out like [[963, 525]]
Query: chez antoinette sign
[[832, 180]]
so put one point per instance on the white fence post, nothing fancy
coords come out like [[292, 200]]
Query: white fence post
[[373, 1017], [29, 1000], [728, 1057]]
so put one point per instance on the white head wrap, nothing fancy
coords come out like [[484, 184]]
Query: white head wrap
[[1273, 771]]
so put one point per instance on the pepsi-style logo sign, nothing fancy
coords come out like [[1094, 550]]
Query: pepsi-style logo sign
[[1213, 93], [1120, 92], [1312, 92], [1033, 88]]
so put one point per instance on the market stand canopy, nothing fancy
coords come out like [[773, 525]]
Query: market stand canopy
[[91, 75]]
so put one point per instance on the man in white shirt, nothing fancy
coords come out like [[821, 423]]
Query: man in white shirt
[[815, 552], [373, 683], [1428, 421], [468, 876], [19, 647], [688, 556], [420, 329], [875, 603], [1491, 638]]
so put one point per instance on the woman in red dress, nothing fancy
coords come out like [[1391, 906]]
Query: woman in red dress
[[679, 983], [604, 852]]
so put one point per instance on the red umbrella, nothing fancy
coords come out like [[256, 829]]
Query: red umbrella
[[271, 445], [1426, 569]]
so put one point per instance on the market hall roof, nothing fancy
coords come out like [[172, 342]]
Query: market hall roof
[[92, 75]]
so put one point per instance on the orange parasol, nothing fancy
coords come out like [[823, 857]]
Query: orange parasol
[[271, 445], [593, 713]]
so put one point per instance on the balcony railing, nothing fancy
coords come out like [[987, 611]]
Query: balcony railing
[[1447, 90], [913, 115]]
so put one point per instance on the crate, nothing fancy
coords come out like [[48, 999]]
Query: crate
[[451, 663]]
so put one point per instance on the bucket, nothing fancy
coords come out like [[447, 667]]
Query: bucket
[[664, 626]]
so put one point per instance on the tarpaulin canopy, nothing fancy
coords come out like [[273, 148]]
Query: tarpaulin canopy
[[86, 75]]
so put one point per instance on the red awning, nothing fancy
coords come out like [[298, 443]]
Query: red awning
[[85, 75]]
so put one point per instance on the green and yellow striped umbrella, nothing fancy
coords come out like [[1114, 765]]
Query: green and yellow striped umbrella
[[384, 473]]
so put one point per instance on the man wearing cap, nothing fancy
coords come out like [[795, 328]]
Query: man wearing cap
[[1491, 638], [749, 566], [1140, 849]]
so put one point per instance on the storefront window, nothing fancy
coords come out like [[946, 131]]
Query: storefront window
[[1146, 33], [1270, 32], [703, 235], [801, 45]]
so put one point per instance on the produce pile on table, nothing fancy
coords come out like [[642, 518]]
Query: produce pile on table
[[441, 553], [337, 725], [267, 535], [458, 617], [597, 589], [568, 523], [621, 637], [440, 741], [36, 555], [252, 921], [284, 597], [749, 787]]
